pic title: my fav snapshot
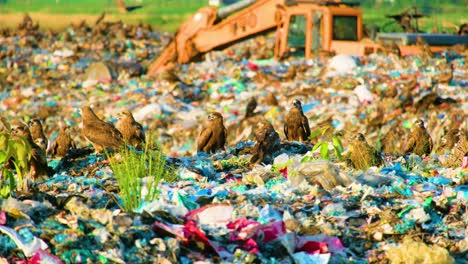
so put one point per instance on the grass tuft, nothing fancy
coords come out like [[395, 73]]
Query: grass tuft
[[139, 173]]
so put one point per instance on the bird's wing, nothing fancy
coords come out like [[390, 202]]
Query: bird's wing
[[410, 144], [286, 129], [39, 154], [261, 136], [306, 127], [139, 132], [103, 133], [203, 139], [431, 143], [224, 137], [72, 142], [53, 148]]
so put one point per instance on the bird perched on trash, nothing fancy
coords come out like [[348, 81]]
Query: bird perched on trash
[[37, 133], [101, 134], [446, 74], [38, 159], [419, 141], [132, 131], [459, 150], [270, 99], [267, 141], [296, 126], [448, 140], [362, 155], [250, 109], [213, 135], [63, 143]]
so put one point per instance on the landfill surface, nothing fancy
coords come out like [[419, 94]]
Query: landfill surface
[[305, 205]]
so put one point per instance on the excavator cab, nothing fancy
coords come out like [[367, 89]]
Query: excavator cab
[[305, 29], [299, 34]]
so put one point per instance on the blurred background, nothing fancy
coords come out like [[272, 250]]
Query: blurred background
[[442, 15]]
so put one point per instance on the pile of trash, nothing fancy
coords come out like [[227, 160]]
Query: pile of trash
[[306, 205]]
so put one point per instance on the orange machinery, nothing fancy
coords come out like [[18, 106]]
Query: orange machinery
[[304, 26]]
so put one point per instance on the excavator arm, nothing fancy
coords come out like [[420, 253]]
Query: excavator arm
[[208, 29]]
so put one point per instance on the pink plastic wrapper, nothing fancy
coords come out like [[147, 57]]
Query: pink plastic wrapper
[[3, 218], [252, 66], [272, 231], [251, 245], [465, 162], [193, 233], [313, 247], [284, 172], [41, 257], [332, 244], [243, 228]]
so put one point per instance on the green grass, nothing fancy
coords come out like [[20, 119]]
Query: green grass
[[138, 174], [162, 14], [169, 14], [156, 7]]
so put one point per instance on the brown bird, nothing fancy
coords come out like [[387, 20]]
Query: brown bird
[[267, 141], [38, 159], [250, 109], [103, 135], [131, 130], [448, 141], [270, 99], [37, 133], [419, 142], [445, 74], [362, 155], [213, 135], [63, 143], [296, 126], [459, 151]]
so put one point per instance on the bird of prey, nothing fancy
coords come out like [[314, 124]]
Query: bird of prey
[[250, 109], [63, 143], [459, 150], [446, 74], [103, 135], [213, 135], [267, 141], [37, 133], [131, 130], [449, 140], [419, 141], [296, 126], [38, 159], [362, 155], [270, 99]]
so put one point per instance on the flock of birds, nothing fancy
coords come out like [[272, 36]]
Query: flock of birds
[[127, 131]]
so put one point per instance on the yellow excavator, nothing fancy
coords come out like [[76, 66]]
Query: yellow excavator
[[307, 26]]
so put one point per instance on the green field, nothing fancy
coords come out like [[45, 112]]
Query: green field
[[168, 14]]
